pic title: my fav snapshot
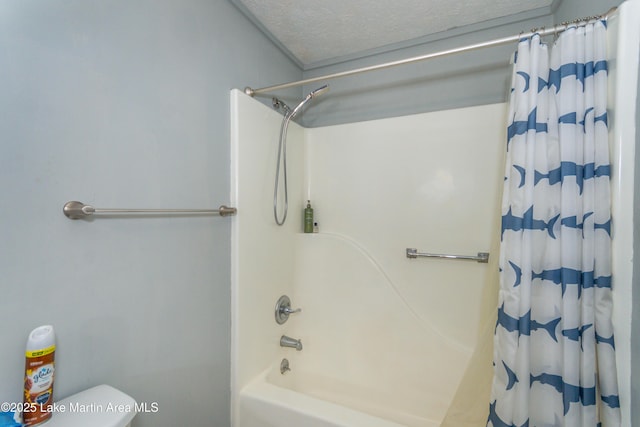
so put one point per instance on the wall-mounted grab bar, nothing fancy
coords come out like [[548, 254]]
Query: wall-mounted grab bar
[[78, 210], [482, 257]]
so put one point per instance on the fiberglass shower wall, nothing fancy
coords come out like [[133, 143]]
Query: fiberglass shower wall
[[400, 332], [387, 331]]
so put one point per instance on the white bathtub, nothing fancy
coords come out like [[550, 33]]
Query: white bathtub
[[328, 399], [273, 401]]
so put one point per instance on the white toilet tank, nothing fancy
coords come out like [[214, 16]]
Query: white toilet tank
[[100, 406]]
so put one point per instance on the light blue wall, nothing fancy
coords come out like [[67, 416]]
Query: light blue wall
[[123, 104], [568, 10]]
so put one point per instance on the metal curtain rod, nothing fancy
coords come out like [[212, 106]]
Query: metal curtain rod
[[78, 210], [541, 31]]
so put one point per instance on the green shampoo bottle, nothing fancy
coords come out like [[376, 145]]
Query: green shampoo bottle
[[308, 218]]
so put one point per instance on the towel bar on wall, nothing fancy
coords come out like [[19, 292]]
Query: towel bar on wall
[[482, 257], [78, 210]]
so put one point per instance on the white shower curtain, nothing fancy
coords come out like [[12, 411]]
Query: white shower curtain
[[554, 353]]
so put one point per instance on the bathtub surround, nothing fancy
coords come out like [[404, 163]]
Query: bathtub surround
[[469, 405], [267, 249], [370, 317], [622, 45]]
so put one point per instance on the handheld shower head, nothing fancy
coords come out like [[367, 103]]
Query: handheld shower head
[[311, 95], [282, 150], [319, 91]]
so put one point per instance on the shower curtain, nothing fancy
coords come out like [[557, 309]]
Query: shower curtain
[[554, 353]]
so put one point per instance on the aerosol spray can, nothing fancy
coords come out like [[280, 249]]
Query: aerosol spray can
[[38, 376]]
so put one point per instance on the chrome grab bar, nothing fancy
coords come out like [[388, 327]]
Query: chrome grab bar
[[482, 257], [78, 210]]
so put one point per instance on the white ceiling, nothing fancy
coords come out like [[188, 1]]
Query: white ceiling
[[314, 31]]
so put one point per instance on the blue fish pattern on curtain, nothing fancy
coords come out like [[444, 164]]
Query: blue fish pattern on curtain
[[554, 351]]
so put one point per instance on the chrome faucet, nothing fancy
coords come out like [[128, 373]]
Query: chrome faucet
[[286, 341]]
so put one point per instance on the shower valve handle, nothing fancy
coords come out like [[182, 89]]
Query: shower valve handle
[[289, 310], [283, 309]]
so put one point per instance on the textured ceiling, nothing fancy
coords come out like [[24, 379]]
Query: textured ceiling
[[318, 30]]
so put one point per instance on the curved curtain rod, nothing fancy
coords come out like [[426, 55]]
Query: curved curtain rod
[[541, 31]]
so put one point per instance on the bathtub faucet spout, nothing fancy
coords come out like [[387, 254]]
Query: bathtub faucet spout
[[286, 341]]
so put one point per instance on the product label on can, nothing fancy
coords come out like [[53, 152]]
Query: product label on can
[[38, 386]]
